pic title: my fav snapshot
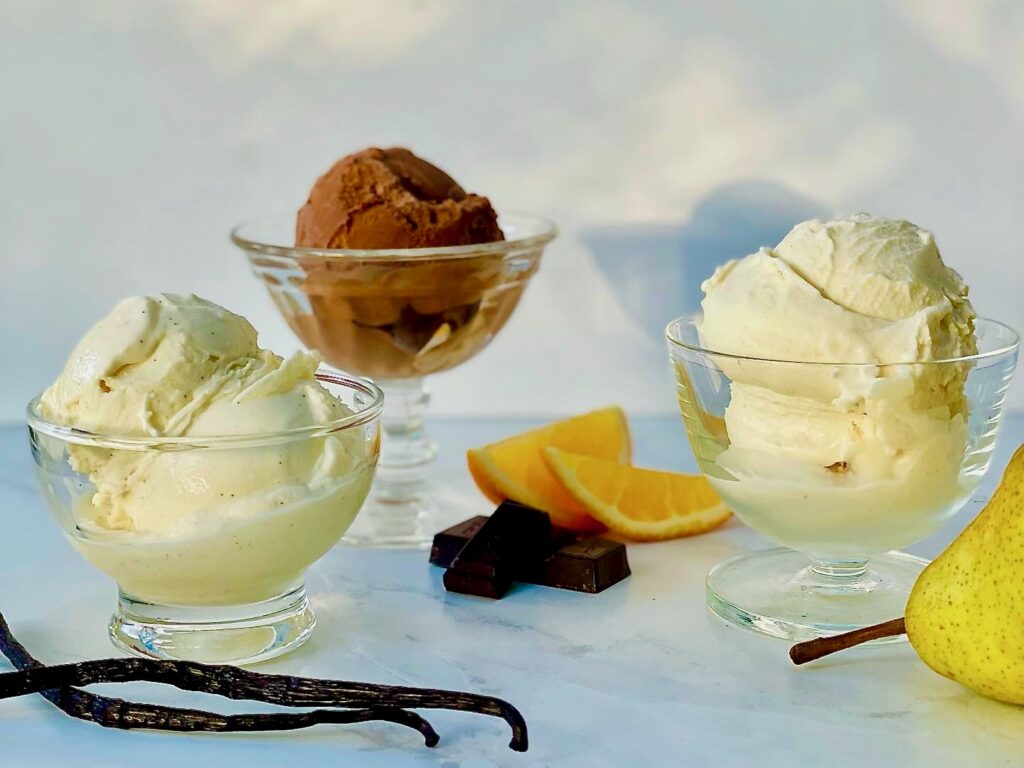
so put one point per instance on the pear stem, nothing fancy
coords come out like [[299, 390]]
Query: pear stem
[[801, 653]]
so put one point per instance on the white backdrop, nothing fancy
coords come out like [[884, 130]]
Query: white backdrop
[[663, 137]]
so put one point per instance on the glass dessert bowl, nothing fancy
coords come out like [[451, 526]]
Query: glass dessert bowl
[[396, 316], [209, 538], [840, 488]]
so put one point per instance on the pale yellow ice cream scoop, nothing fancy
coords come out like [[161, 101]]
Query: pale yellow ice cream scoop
[[855, 290], [150, 365], [171, 525], [876, 423], [182, 366]]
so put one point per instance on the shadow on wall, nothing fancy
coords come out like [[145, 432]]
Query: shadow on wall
[[655, 270]]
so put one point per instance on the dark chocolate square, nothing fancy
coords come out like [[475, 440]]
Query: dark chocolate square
[[591, 565], [510, 540], [448, 543]]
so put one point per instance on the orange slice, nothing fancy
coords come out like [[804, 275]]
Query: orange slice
[[639, 503], [514, 468]]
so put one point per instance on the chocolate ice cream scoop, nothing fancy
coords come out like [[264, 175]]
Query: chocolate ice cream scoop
[[390, 198]]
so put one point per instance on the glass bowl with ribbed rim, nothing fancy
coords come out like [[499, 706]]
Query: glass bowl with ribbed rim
[[843, 464], [209, 537]]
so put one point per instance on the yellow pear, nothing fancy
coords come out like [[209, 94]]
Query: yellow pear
[[965, 615]]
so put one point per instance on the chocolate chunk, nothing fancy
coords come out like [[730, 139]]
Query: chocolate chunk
[[510, 541], [591, 565], [480, 586], [448, 543]]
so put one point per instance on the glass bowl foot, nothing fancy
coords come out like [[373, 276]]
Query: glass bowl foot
[[779, 592], [214, 635]]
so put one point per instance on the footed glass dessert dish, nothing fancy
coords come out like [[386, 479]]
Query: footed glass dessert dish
[[841, 464], [209, 538], [398, 316]]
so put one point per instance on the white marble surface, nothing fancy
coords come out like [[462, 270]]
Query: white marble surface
[[638, 676]]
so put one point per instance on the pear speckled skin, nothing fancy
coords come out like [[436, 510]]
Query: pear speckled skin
[[964, 613]]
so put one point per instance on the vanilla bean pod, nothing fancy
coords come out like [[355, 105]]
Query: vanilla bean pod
[[236, 683], [118, 713]]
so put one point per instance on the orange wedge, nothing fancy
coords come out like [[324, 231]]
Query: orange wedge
[[639, 503], [514, 468]]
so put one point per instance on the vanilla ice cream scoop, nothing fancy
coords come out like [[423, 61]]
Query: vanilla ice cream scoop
[[856, 290], [876, 421], [887, 269], [149, 366], [167, 366]]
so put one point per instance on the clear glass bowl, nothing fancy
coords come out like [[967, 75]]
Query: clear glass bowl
[[397, 316], [209, 538], [839, 463]]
